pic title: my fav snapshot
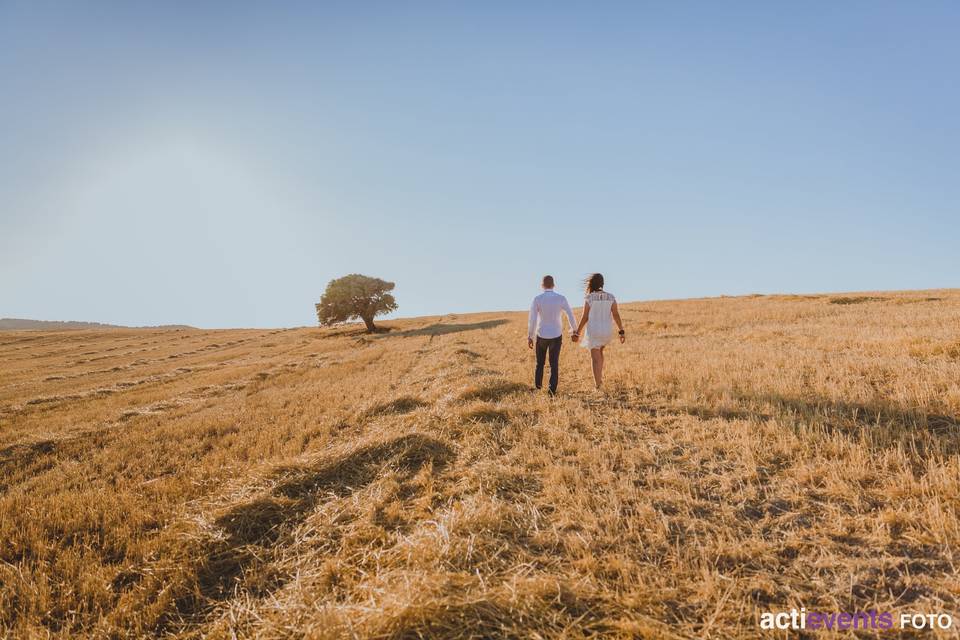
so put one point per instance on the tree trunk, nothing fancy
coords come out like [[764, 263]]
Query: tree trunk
[[371, 328]]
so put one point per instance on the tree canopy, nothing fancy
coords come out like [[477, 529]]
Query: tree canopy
[[355, 296]]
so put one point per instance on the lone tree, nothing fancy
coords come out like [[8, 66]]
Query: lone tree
[[355, 296]]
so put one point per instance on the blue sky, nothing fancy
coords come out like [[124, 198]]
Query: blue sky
[[216, 165]]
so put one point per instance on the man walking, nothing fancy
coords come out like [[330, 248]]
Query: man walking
[[546, 324]]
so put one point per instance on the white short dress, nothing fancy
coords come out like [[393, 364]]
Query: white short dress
[[599, 329]]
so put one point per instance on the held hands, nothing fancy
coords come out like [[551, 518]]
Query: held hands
[[574, 336]]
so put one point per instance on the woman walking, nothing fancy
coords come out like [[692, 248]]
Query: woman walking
[[599, 313]]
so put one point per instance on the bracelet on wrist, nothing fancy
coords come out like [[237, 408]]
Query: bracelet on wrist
[[622, 332]]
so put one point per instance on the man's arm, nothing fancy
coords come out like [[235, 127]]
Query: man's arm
[[532, 323], [570, 318], [584, 317]]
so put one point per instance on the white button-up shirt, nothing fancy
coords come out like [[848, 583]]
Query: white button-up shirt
[[548, 308]]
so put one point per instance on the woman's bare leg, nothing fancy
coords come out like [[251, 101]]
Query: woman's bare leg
[[601, 364], [596, 359]]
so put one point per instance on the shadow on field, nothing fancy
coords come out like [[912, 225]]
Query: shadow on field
[[627, 401], [403, 404], [553, 608], [493, 391], [883, 424], [352, 329], [880, 425], [19, 453], [21, 461], [441, 328], [724, 414], [238, 559]]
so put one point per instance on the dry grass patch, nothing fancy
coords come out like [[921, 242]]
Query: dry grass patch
[[404, 404], [748, 454], [493, 391], [855, 299], [487, 415]]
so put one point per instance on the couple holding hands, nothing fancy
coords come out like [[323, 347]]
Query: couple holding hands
[[546, 325]]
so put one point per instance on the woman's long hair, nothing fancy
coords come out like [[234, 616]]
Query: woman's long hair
[[594, 282]]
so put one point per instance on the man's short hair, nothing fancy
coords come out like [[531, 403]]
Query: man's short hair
[[548, 282]]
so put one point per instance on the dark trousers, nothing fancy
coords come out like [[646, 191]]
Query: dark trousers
[[549, 346]]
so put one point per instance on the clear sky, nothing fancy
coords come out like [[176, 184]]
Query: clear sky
[[216, 165]]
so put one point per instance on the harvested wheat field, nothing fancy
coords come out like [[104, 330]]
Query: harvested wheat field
[[749, 454]]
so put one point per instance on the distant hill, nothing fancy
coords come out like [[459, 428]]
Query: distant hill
[[17, 324]]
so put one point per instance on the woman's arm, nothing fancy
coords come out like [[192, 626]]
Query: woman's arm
[[615, 310], [616, 318], [583, 318]]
